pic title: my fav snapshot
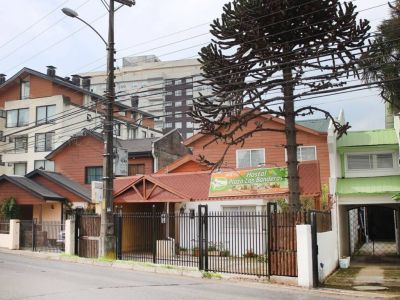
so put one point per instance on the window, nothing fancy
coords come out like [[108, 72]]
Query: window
[[122, 113], [21, 144], [240, 217], [47, 165], [44, 114], [136, 169], [178, 93], [178, 124], [306, 153], [93, 174], [17, 117], [369, 161], [168, 103], [168, 125], [2, 113], [25, 89], [20, 169], [189, 92], [44, 142], [178, 103], [189, 102], [169, 82], [189, 125], [178, 81], [250, 158], [169, 93]]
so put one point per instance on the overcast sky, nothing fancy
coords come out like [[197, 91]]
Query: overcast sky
[[36, 34]]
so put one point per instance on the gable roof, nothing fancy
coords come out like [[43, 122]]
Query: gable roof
[[188, 158], [195, 186], [320, 125], [314, 127], [56, 79], [368, 138], [63, 181], [135, 146], [32, 187]]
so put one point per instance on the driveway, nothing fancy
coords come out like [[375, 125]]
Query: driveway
[[369, 274]]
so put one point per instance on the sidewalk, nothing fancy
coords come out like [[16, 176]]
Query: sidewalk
[[193, 272]]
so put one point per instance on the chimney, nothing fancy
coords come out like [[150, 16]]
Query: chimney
[[2, 78], [135, 101], [86, 83], [76, 79], [51, 71]]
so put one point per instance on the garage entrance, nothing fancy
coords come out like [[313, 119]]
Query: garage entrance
[[374, 230]]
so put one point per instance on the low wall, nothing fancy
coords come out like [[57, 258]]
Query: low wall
[[328, 257], [5, 240]]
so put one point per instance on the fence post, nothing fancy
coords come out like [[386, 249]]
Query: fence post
[[205, 237], [118, 240], [271, 208], [33, 235], [14, 233], [153, 233], [70, 236], [201, 262], [314, 245], [77, 229], [304, 256]]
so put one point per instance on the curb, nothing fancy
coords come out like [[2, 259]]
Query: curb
[[273, 282]]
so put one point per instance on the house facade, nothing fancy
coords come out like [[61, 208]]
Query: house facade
[[365, 174], [80, 158], [39, 112]]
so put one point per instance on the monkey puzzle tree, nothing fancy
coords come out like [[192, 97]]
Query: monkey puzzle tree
[[267, 55]]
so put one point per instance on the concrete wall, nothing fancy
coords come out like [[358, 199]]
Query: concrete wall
[[11, 240], [168, 148], [328, 257]]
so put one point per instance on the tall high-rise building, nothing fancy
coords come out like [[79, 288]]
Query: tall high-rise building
[[164, 89]]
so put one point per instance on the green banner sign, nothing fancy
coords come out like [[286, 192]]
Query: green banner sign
[[260, 181]]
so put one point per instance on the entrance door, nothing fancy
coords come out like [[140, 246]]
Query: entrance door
[[26, 212]]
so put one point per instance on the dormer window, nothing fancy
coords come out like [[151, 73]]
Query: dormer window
[[25, 89]]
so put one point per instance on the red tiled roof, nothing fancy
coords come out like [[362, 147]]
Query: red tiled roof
[[194, 186]]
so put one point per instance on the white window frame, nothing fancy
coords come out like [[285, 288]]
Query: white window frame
[[300, 147], [237, 156], [374, 171]]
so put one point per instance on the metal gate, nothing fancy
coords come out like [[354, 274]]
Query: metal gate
[[373, 231], [282, 242], [45, 236], [87, 234], [227, 241]]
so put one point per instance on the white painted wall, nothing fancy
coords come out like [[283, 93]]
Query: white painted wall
[[328, 257], [304, 256], [11, 240]]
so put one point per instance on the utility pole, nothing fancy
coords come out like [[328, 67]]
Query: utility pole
[[107, 237]]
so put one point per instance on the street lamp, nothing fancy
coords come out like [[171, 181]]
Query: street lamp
[[107, 238]]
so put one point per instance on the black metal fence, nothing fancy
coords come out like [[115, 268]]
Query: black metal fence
[[233, 242], [45, 236], [4, 226]]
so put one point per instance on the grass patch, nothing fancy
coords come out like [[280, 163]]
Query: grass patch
[[68, 255], [210, 275], [105, 259]]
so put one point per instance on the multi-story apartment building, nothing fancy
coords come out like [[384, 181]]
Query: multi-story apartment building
[[39, 112], [164, 89]]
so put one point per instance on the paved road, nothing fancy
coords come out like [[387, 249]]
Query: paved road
[[36, 278]]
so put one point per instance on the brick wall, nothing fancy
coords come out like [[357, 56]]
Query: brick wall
[[57, 188], [272, 142], [8, 189]]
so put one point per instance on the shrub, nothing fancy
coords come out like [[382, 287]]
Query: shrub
[[9, 208]]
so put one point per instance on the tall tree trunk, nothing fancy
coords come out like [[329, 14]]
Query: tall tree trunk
[[291, 143]]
